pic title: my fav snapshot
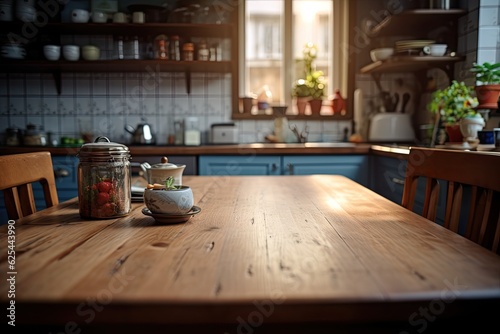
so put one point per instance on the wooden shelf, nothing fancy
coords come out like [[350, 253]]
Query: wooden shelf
[[409, 64], [44, 66], [411, 21], [130, 29], [14, 31]]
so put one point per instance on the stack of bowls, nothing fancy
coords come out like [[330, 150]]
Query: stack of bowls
[[90, 52], [71, 52], [52, 52], [25, 10], [13, 51]]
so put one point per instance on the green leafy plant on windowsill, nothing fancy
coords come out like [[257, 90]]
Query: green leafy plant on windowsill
[[487, 86], [486, 73], [313, 83]]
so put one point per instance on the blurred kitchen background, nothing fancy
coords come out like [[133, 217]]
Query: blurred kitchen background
[[105, 103]]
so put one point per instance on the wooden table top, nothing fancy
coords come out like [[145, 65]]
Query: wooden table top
[[265, 251]]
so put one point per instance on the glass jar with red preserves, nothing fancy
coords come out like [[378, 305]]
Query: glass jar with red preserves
[[104, 180]]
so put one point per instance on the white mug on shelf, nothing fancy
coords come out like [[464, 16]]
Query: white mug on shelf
[[435, 49], [120, 17], [99, 17], [138, 17]]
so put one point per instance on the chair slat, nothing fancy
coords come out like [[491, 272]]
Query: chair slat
[[19, 171], [461, 169]]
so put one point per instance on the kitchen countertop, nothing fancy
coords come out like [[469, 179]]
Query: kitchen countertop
[[237, 149]]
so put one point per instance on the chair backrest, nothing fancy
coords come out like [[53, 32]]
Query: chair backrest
[[17, 173], [479, 170]]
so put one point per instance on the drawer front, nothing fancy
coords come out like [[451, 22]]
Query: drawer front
[[354, 167], [239, 165]]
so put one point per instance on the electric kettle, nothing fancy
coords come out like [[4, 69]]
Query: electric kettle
[[142, 134]]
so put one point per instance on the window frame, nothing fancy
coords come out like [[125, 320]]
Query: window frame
[[340, 57]]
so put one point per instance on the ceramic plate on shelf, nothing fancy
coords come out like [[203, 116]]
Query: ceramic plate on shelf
[[172, 219]]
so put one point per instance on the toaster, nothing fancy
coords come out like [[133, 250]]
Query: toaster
[[224, 133], [386, 127]]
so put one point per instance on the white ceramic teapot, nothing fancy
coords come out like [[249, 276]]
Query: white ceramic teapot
[[158, 173]]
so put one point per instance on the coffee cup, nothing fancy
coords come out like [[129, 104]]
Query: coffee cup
[[497, 137], [437, 50], [120, 17], [138, 17], [486, 137], [80, 16], [99, 17]]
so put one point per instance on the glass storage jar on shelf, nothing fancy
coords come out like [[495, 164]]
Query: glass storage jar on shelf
[[104, 180]]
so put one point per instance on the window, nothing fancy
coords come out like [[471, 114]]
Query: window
[[274, 35]]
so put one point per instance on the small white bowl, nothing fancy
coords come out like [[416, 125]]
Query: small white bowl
[[71, 52], [52, 52], [381, 54]]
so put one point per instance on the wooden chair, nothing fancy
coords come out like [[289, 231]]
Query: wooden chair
[[17, 173], [479, 170]]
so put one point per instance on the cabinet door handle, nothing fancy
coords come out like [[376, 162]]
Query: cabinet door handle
[[290, 168], [398, 181], [61, 172]]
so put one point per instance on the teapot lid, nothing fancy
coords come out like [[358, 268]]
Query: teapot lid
[[165, 164]]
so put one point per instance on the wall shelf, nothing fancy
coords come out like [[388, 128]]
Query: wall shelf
[[15, 31]]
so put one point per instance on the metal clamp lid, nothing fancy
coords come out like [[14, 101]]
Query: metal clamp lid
[[102, 147]]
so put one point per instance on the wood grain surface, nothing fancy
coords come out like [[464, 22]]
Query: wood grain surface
[[302, 252]]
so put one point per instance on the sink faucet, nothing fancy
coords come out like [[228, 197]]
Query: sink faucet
[[301, 136]]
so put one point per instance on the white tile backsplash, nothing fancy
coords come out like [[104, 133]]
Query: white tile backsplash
[[109, 101]]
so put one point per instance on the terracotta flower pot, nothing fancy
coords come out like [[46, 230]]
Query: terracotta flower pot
[[487, 96], [454, 133], [316, 105], [302, 104]]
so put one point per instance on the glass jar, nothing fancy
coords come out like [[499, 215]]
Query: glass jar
[[188, 51], [203, 52], [12, 136], [175, 50], [34, 135], [104, 180], [161, 47]]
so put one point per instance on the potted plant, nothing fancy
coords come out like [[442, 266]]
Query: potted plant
[[168, 198], [311, 87], [302, 95], [487, 84], [453, 104]]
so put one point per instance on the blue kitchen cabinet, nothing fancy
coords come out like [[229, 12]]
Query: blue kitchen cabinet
[[65, 172], [354, 167], [239, 165]]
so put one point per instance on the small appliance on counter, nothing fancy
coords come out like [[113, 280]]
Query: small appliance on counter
[[224, 133], [394, 127]]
